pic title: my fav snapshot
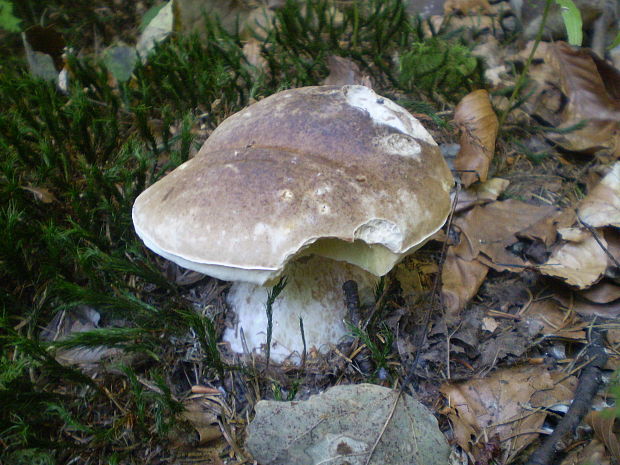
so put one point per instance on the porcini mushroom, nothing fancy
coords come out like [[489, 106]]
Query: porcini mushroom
[[322, 184]]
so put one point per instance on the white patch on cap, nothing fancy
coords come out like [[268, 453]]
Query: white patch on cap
[[384, 111], [321, 190], [381, 232], [286, 194], [400, 144]]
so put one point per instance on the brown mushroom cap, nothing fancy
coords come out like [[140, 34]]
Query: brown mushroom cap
[[335, 171]]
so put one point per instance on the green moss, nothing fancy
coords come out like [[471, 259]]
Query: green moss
[[441, 67]]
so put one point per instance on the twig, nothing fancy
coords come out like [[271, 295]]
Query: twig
[[385, 425], [589, 383], [598, 241]]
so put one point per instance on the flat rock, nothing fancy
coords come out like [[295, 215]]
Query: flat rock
[[340, 426]]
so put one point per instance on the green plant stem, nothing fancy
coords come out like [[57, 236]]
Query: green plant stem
[[530, 58]]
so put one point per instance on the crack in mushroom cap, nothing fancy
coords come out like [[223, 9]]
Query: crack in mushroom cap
[[335, 171]]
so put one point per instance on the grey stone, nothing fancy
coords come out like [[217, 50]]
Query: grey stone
[[340, 426]]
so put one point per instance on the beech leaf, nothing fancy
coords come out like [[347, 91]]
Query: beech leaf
[[478, 126]]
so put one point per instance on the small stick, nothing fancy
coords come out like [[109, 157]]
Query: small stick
[[589, 383]]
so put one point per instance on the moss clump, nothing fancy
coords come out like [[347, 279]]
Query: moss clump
[[440, 67]]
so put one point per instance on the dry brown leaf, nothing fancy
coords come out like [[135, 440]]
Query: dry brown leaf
[[487, 232], [603, 423], [478, 125], [604, 292], [546, 230], [200, 414], [77, 320], [481, 193], [41, 193], [573, 234], [343, 72], [593, 452], [588, 100], [500, 404], [601, 207], [573, 302], [461, 280], [555, 321], [579, 264]]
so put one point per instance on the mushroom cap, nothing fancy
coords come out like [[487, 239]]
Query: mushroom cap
[[334, 171]]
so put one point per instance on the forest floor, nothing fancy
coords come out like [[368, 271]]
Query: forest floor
[[504, 319]]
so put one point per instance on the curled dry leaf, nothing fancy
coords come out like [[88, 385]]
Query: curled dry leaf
[[601, 207], [574, 302], [461, 280], [41, 193], [602, 293], [588, 100], [481, 193], [591, 452], [202, 416], [67, 323], [478, 125], [501, 404], [603, 424], [579, 264]]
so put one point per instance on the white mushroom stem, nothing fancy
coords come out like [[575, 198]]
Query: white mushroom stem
[[313, 292]]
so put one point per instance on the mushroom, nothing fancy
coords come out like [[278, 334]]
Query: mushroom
[[321, 184]]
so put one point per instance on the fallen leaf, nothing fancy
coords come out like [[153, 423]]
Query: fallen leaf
[[120, 60], [489, 324], [601, 207], [556, 322], [481, 193], [603, 423], [579, 264], [41, 193], [156, 31], [573, 234], [488, 231], [341, 425], [478, 125], [592, 452], [501, 404], [77, 320], [460, 280], [203, 418], [602, 293], [588, 100], [574, 302], [546, 229]]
